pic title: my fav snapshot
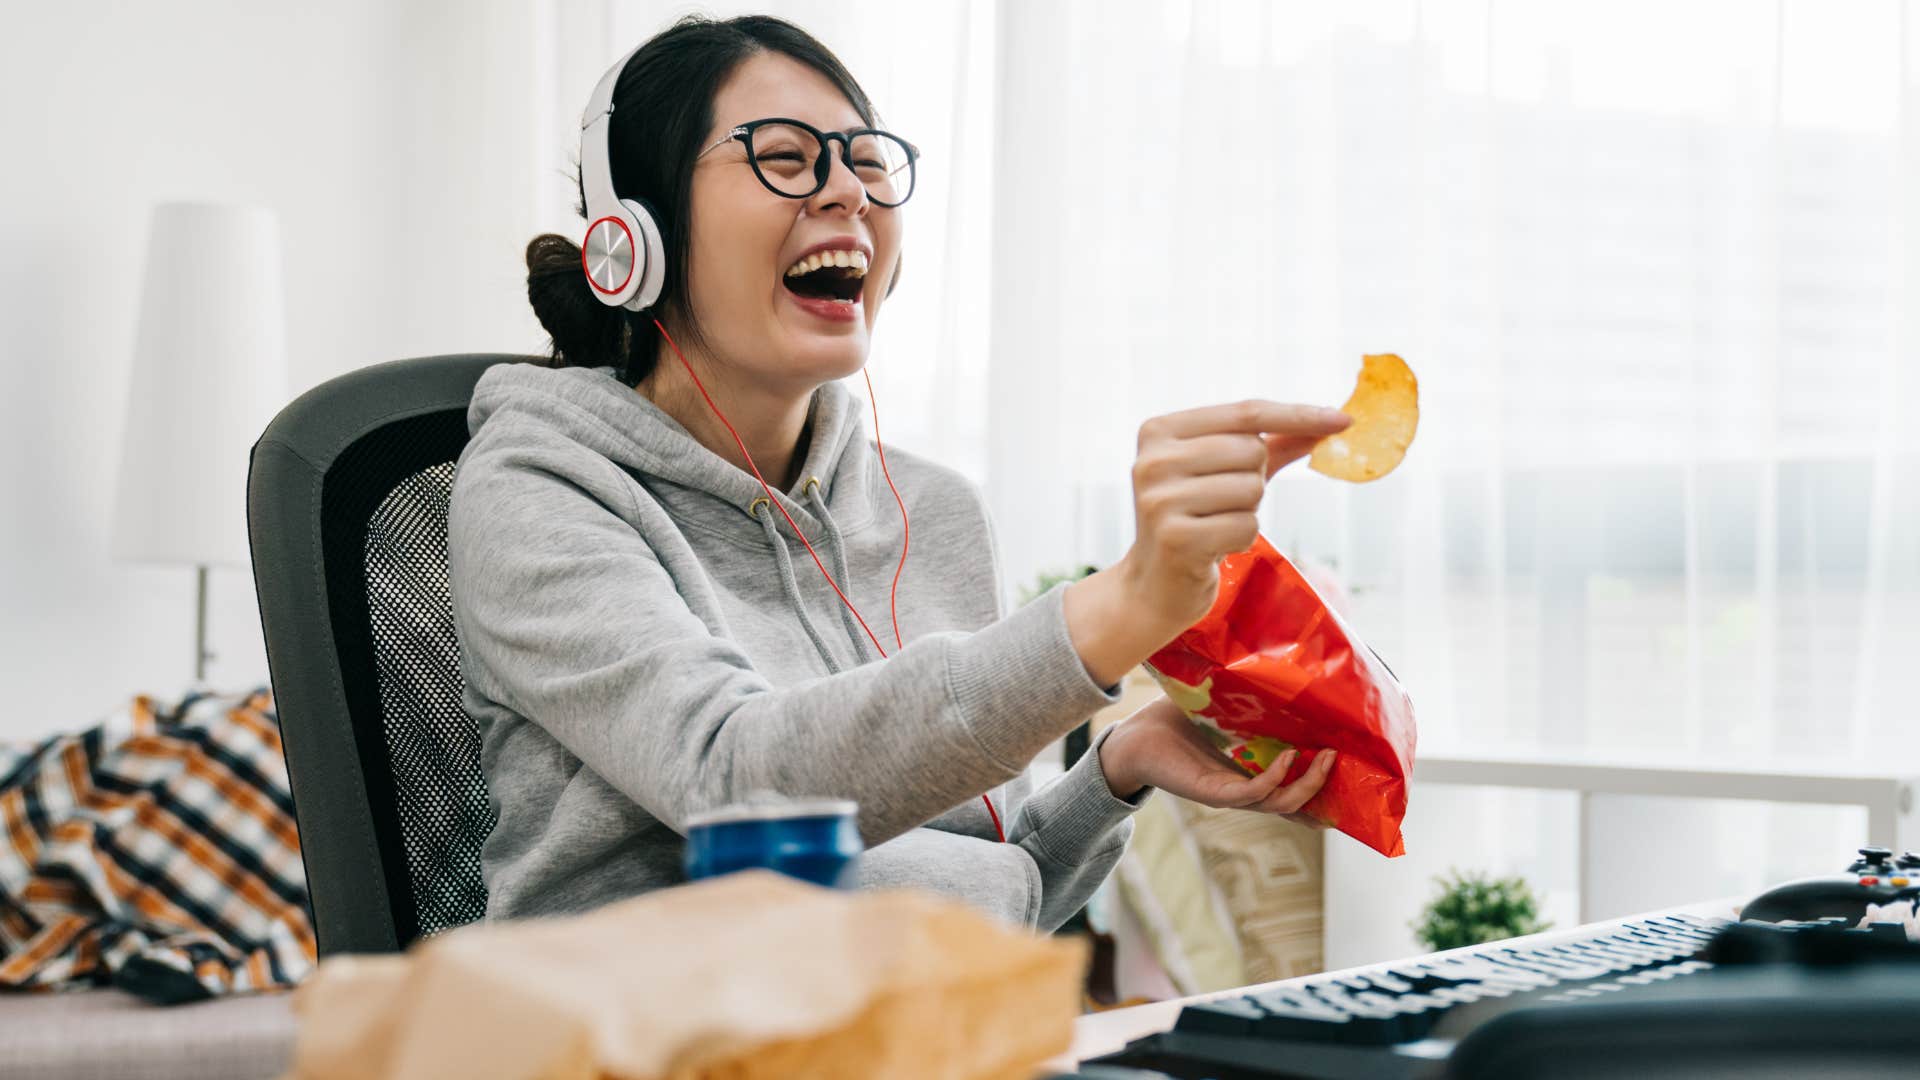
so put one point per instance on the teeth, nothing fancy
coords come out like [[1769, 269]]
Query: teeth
[[853, 260]]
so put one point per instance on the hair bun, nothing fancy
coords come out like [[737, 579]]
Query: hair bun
[[585, 332]]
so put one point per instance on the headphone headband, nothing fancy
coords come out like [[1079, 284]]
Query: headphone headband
[[600, 102], [622, 254]]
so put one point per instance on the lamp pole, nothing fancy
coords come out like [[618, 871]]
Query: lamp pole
[[201, 654]]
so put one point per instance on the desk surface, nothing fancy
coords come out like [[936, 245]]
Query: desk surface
[[1097, 1034]]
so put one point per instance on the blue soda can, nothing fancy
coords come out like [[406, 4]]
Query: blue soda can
[[815, 840]]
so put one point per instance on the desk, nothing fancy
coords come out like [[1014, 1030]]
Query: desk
[[1097, 1034]]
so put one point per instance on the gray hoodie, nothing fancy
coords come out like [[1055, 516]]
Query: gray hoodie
[[644, 638]]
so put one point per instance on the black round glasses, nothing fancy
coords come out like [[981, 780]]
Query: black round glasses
[[790, 158]]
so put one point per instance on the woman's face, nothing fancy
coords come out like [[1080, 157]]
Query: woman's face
[[745, 238]]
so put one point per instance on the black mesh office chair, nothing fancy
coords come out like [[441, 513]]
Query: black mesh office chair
[[347, 517]]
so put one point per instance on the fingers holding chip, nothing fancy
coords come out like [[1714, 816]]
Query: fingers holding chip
[[1385, 408]]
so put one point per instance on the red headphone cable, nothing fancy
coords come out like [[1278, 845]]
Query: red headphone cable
[[906, 534]]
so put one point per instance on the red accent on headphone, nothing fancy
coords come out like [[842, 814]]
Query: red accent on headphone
[[632, 263], [906, 534]]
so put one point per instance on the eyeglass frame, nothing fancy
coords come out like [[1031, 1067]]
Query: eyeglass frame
[[743, 134]]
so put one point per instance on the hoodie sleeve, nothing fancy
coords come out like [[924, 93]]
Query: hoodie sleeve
[[569, 619], [1074, 828]]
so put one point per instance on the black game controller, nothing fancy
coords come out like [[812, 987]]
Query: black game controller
[[1875, 880]]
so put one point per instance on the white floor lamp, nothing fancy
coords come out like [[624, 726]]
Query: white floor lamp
[[209, 370]]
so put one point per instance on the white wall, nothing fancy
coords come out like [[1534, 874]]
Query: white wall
[[400, 146]]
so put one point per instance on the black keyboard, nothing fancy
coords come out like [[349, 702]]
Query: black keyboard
[[1402, 1020]]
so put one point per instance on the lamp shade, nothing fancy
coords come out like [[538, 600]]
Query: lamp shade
[[209, 370]]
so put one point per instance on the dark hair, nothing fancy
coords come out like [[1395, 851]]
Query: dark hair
[[663, 109]]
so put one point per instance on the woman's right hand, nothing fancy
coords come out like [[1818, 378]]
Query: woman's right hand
[[1198, 479]]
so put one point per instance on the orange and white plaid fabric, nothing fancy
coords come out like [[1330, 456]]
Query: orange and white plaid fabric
[[155, 852]]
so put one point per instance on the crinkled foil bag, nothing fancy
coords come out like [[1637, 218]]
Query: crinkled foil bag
[[1272, 667], [746, 976]]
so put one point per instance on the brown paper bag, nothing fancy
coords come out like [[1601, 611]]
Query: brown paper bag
[[742, 977]]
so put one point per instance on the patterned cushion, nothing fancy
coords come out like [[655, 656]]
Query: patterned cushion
[[155, 851], [1228, 898], [1269, 874], [1163, 882]]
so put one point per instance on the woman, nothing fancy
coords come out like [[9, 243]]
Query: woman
[[644, 631]]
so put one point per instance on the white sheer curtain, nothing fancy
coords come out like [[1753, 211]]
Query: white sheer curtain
[[1651, 262], [1656, 264]]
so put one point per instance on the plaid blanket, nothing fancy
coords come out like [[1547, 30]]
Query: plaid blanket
[[155, 852]]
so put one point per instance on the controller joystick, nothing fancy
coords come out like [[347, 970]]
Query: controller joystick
[[1872, 860]]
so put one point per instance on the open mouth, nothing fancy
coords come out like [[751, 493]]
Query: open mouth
[[828, 275]]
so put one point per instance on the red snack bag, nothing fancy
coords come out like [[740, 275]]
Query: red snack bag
[[1271, 667]]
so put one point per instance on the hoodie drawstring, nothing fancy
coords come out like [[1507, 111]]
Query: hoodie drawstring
[[838, 549], [792, 586], [793, 593]]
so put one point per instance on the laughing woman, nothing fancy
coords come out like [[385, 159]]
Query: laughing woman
[[644, 631]]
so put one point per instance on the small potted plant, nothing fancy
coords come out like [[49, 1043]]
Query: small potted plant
[[1047, 579], [1475, 907]]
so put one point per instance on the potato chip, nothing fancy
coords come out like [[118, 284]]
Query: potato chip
[[1385, 407]]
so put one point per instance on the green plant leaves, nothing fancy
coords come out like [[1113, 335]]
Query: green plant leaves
[[1474, 907]]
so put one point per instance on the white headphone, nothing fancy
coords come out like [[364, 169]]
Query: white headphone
[[623, 255]]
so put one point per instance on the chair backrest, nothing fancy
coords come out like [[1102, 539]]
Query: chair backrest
[[347, 518]]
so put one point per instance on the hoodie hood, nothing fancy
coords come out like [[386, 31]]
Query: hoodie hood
[[831, 500], [590, 407]]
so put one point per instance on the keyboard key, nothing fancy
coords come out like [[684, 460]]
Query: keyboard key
[[1657, 943], [1299, 1014], [1530, 962], [1428, 1004], [1427, 980], [1464, 994], [1416, 1017], [1387, 980], [1518, 974], [1582, 965], [1622, 958], [1296, 1001], [1228, 1016], [1366, 1025]]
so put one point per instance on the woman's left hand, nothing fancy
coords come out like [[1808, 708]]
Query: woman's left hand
[[1159, 747]]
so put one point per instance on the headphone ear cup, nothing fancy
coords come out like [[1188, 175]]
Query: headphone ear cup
[[611, 257], [651, 246]]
